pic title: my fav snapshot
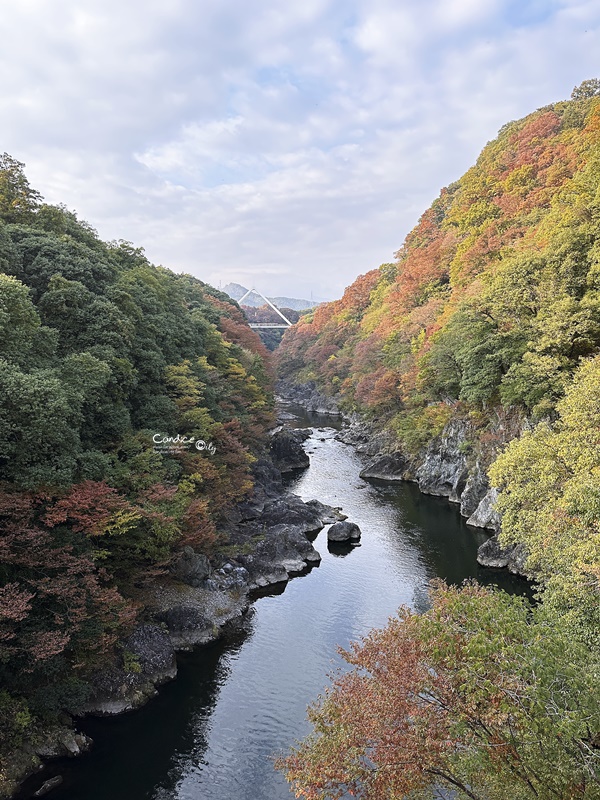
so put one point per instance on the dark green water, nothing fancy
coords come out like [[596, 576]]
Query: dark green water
[[211, 734]]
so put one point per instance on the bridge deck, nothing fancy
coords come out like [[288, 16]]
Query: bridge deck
[[269, 325]]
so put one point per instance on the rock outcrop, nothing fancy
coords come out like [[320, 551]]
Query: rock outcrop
[[475, 490], [485, 515], [63, 742], [57, 742], [366, 438], [148, 661], [389, 467], [443, 472], [286, 449], [191, 568], [308, 396], [327, 514], [491, 554]]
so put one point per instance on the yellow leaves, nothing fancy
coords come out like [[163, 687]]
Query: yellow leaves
[[580, 409], [198, 422], [417, 342], [235, 370], [550, 501], [520, 180], [123, 521], [183, 386]]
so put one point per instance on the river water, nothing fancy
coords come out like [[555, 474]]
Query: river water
[[211, 734]]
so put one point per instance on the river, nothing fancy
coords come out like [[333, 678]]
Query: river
[[211, 734]]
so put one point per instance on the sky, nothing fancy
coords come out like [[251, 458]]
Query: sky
[[288, 146]]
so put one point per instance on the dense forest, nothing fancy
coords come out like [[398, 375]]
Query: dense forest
[[490, 314], [133, 402]]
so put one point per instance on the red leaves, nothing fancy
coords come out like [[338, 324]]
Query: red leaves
[[530, 139], [460, 696], [54, 589], [235, 328], [88, 508], [199, 530], [368, 347], [14, 602]]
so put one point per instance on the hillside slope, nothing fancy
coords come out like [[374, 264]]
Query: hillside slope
[[133, 402], [486, 327], [493, 297]]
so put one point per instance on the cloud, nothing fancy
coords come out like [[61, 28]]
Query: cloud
[[291, 147]]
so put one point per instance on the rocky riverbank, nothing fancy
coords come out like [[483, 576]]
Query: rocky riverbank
[[267, 541], [447, 468], [454, 465]]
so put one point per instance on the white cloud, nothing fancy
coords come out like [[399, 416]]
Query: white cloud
[[293, 144]]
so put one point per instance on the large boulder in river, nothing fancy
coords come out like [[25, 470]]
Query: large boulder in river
[[287, 452], [391, 467], [343, 533]]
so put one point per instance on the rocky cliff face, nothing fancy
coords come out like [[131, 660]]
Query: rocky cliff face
[[454, 465], [443, 471]]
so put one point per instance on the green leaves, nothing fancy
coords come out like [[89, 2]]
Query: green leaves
[[550, 502], [99, 351], [18, 200]]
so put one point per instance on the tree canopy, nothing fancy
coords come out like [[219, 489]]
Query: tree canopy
[[490, 315]]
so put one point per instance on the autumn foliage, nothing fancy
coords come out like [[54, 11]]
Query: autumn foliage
[[490, 313], [492, 298], [478, 696]]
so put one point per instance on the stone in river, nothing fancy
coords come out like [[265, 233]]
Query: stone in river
[[343, 532]]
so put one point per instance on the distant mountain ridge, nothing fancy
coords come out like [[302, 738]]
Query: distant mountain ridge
[[237, 291]]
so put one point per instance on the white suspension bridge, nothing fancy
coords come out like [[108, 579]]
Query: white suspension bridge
[[266, 325]]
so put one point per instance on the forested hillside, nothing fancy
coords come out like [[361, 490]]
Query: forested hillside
[[489, 318], [490, 313], [493, 297], [105, 359]]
